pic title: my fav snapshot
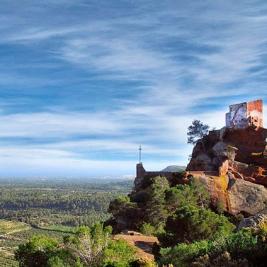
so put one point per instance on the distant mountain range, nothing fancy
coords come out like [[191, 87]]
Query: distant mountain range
[[174, 168]]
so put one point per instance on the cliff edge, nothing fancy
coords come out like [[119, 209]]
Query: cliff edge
[[232, 163]]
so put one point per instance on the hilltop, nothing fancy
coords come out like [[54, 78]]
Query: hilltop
[[213, 213], [174, 168], [222, 191]]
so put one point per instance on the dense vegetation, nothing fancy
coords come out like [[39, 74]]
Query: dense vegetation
[[243, 248], [191, 232], [51, 209], [58, 202], [92, 247]]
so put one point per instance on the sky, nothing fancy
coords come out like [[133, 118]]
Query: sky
[[84, 83]]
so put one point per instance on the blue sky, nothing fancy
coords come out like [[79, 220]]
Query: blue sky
[[83, 83]]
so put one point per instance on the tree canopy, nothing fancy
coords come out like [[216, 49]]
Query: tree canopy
[[197, 130]]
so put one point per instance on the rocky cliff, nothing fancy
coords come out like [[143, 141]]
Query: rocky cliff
[[232, 164]]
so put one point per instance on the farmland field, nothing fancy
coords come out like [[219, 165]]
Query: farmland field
[[9, 227], [53, 208]]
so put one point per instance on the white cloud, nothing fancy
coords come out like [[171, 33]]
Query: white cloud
[[39, 34], [48, 124], [183, 55], [41, 163]]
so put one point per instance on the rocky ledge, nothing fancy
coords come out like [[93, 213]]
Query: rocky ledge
[[232, 163]]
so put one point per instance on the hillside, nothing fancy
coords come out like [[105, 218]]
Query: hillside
[[174, 168], [52, 209], [214, 213]]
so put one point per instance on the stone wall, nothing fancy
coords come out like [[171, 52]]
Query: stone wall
[[245, 114], [142, 174], [255, 113], [237, 116]]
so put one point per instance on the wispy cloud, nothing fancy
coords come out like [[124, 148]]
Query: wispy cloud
[[56, 125], [117, 75]]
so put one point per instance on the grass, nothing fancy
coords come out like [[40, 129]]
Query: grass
[[59, 228], [9, 227], [7, 261], [9, 242]]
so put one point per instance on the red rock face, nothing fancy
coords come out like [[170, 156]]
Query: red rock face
[[251, 144], [240, 151], [232, 164]]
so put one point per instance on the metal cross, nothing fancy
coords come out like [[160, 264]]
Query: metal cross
[[140, 153]]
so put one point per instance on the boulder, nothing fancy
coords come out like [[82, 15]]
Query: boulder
[[202, 161], [220, 149], [245, 197], [234, 195], [253, 221]]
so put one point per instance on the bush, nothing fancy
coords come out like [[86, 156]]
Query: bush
[[147, 229], [243, 247], [140, 197], [89, 244], [219, 207], [119, 254], [156, 212], [182, 254], [223, 260], [194, 194], [118, 204], [85, 248], [191, 223], [43, 251], [143, 263]]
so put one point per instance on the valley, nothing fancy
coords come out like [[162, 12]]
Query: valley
[[51, 208]]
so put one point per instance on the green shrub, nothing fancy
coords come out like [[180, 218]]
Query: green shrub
[[156, 212], [191, 223], [89, 244], [222, 260], [118, 204], [243, 247], [147, 229], [194, 194], [85, 248], [182, 254], [119, 254], [43, 251], [220, 207], [143, 263], [140, 197]]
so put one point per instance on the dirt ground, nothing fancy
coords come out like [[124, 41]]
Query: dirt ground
[[142, 243]]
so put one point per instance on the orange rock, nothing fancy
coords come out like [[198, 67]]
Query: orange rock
[[239, 150], [231, 163]]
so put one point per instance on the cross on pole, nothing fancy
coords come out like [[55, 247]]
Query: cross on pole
[[140, 153]]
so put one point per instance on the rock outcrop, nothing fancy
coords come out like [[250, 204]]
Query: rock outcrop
[[254, 221], [234, 195], [232, 163], [245, 197], [246, 147]]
